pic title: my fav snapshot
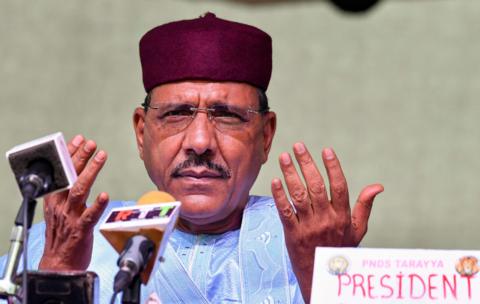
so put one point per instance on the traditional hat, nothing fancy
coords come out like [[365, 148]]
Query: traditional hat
[[207, 48]]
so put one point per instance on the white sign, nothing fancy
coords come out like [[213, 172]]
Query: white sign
[[363, 275]]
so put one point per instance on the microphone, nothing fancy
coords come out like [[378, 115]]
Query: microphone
[[139, 232], [132, 260], [356, 6], [42, 166]]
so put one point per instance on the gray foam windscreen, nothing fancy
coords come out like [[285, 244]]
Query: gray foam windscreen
[[51, 148]]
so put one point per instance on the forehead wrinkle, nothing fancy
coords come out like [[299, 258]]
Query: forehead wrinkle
[[203, 94], [188, 95], [196, 96], [218, 95], [209, 97]]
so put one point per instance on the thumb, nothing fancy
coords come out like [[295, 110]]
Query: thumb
[[362, 209]]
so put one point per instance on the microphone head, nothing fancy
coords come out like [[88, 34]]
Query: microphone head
[[154, 217], [50, 149], [153, 197]]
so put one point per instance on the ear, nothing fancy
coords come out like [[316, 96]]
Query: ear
[[139, 127], [269, 127]]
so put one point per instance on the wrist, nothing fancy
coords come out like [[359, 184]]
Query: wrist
[[56, 263]]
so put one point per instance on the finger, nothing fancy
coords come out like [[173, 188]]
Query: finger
[[92, 214], [80, 190], [313, 178], [54, 198], [296, 189], [362, 209], [83, 154], [338, 183], [284, 208], [74, 144]]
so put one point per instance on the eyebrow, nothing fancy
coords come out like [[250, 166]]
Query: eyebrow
[[170, 103]]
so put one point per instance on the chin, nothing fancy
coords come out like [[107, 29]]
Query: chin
[[200, 206]]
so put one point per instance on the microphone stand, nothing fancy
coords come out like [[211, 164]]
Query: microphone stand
[[8, 287], [133, 259], [131, 293]]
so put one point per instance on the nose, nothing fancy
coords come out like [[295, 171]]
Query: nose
[[200, 135]]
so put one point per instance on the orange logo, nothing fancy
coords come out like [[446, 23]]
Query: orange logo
[[467, 266]]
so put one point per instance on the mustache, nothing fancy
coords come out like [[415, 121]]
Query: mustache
[[195, 160]]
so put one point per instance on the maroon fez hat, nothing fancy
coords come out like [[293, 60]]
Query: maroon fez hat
[[207, 48]]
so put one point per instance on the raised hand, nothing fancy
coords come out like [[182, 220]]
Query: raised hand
[[314, 219], [69, 222]]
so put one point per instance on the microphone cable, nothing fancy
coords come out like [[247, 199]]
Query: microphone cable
[[31, 187], [25, 203], [114, 297]]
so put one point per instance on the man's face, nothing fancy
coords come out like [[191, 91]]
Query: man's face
[[209, 168]]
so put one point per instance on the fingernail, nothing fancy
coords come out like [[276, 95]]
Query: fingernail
[[276, 184], [103, 197], [100, 155], [285, 158], [299, 148], [329, 153], [89, 146], [381, 189], [77, 140]]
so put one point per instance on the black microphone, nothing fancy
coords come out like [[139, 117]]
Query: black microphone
[[140, 234], [354, 6], [132, 260], [42, 166], [37, 178]]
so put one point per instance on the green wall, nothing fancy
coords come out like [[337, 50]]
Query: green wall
[[395, 92]]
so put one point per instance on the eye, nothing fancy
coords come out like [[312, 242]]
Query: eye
[[176, 112], [229, 114], [182, 112]]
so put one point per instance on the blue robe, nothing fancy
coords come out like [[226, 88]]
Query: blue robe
[[249, 265]]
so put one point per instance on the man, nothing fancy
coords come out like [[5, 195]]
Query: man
[[203, 133]]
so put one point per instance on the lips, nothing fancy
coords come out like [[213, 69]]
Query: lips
[[202, 173]]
